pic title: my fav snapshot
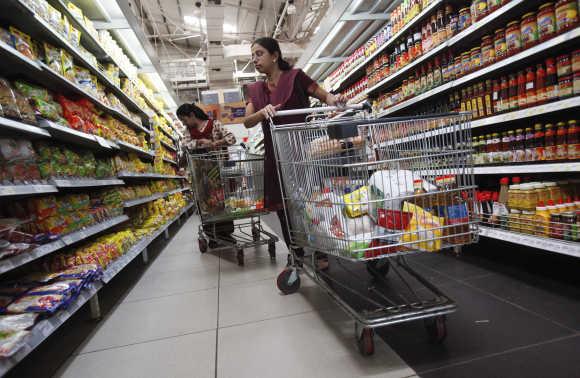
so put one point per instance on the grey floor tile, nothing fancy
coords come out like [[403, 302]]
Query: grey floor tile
[[554, 359], [155, 284], [147, 320], [169, 263], [184, 356], [482, 325], [314, 345], [257, 267], [556, 302], [261, 300]]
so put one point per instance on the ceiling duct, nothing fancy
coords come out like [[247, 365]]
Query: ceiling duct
[[242, 51]]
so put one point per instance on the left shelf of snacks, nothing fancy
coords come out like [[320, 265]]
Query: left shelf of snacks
[[78, 139]]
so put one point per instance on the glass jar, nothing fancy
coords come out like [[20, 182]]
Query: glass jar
[[564, 65], [465, 63], [567, 219], [475, 58], [480, 9], [514, 196], [528, 222], [543, 193], [487, 51], [528, 196], [513, 38], [546, 21], [565, 87], [555, 230], [566, 15], [514, 220], [457, 67], [553, 191], [492, 5], [576, 61], [499, 44], [576, 84], [464, 19], [529, 30]]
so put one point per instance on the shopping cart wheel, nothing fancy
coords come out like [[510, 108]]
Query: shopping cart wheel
[[365, 340], [288, 281], [272, 250], [378, 268], [255, 234], [202, 245], [436, 329], [213, 244], [240, 256]]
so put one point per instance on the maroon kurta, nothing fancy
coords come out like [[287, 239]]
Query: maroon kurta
[[292, 92]]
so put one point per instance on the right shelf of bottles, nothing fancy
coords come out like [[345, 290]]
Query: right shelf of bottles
[[515, 66]]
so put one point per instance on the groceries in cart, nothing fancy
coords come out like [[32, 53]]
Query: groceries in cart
[[394, 211]]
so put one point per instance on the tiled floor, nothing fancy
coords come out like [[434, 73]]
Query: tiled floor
[[188, 314], [194, 315]]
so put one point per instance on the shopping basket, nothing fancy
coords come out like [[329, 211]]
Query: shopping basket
[[363, 189], [229, 189]]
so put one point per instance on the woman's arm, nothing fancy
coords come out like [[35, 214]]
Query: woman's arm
[[253, 117], [329, 98]]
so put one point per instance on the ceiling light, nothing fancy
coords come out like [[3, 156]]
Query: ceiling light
[[191, 20], [229, 28], [291, 9]]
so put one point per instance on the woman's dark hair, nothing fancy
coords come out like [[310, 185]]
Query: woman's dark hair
[[186, 110], [273, 46]]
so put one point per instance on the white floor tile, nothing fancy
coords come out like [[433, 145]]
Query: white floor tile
[[258, 266], [155, 284], [171, 262], [152, 319], [261, 300], [316, 344], [184, 356]]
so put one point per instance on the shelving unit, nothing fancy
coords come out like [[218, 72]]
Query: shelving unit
[[68, 135], [470, 37], [141, 201], [169, 161], [85, 183], [551, 245], [138, 150], [21, 190], [168, 146], [146, 176]]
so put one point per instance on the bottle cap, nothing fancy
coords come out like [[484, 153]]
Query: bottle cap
[[541, 204], [550, 202], [516, 180]]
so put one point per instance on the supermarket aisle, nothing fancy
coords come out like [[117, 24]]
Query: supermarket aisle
[[194, 315]]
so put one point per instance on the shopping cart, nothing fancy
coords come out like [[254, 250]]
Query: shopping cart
[[360, 189], [229, 193]]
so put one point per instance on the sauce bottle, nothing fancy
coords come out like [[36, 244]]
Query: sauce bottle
[[487, 98], [572, 139], [509, 155], [539, 138], [472, 94], [531, 99], [513, 92], [540, 84], [542, 219], [550, 152], [495, 100], [522, 102], [504, 98], [505, 153], [437, 77], [530, 145], [519, 146], [480, 100], [561, 145], [551, 80]]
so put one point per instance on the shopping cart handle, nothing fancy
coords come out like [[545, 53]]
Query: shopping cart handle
[[362, 106]]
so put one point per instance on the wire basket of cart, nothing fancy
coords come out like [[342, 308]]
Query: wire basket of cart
[[364, 193], [229, 193]]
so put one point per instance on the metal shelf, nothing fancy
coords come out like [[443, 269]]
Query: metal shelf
[[551, 107], [12, 127], [119, 264], [138, 150], [169, 161], [168, 146], [564, 166], [14, 262], [500, 13], [129, 175], [12, 61], [425, 12], [552, 245], [85, 182], [479, 74], [77, 236], [44, 328], [167, 133], [141, 201], [66, 134], [21, 190]]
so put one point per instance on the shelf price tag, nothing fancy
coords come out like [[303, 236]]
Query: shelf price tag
[[102, 141]]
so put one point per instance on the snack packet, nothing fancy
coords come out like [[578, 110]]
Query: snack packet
[[17, 322], [11, 342], [8, 105], [60, 287], [52, 57], [48, 303], [23, 43]]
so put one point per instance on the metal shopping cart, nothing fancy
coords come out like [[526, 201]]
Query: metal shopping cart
[[365, 190], [229, 193]]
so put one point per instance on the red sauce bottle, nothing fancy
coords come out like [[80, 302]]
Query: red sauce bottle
[[540, 84], [513, 92], [550, 143], [551, 80], [531, 99], [522, 101]]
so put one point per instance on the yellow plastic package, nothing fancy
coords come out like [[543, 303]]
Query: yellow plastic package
[[357, 202], [424, 228]]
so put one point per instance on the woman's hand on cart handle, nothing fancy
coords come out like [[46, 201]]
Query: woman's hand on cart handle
[[269, 111], [339, 100]]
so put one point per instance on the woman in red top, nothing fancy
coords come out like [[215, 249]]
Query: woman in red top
[[204, 135], [285, 88]]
